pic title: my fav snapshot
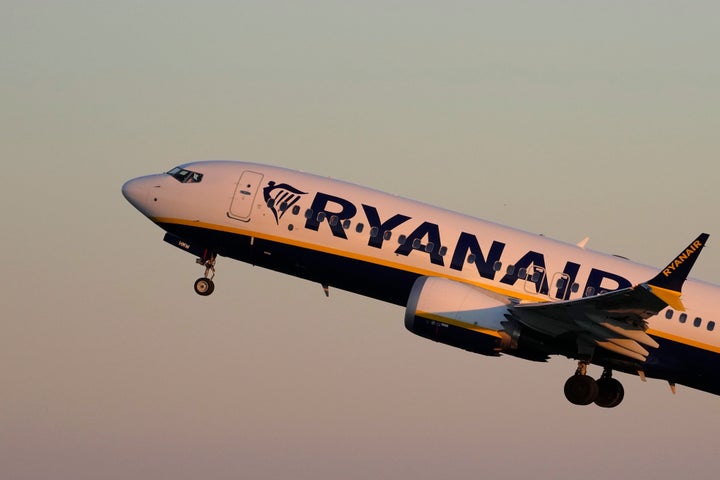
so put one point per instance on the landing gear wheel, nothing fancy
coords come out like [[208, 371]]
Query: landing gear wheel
[[204, 286], [581, 390], [610, 393]]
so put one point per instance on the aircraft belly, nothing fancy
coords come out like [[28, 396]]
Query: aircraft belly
[[685, 364], [372, 280], [357, 276]]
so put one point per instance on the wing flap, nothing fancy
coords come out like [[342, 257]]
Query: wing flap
[[621, 350], [626, 331], [544, 324], [600, 333]]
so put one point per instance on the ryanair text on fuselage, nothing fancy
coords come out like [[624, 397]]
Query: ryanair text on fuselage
[[426, 238]]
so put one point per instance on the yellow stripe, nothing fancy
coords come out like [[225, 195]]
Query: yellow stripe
[[457, 323], [684, 341]]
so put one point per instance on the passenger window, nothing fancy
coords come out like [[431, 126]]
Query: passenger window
[[669, 314], [402, 239], [683, 317], [296, 209], [711, 326], [511, 269], [471, 258], [271, 203], [697, 322], [334, 220], [575, 287], [430, 247], [416, 244], [283, 206], [321, 216], [497, 266], [346, 224], [359, 228], [387, 235], [561, 283], [589, 291], [522, 273], [308, 213], [374, 232], [443, 251]]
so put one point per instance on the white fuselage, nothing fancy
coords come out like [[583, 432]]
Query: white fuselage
[[267, 205]]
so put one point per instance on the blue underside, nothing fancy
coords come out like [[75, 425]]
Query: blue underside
[[673, 361]]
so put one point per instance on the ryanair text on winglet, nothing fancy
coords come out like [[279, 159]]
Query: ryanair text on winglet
[[667, 271]]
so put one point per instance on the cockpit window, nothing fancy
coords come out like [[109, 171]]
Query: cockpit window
[[185, 176]]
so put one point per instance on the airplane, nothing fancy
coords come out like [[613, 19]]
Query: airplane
[[465, 282]]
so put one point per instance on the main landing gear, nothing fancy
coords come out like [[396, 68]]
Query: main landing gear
[[204, 285], [581, 389]]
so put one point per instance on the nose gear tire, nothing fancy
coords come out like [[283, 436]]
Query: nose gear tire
[[204, 286]]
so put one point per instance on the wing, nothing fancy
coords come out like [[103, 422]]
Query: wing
[[615, 321]]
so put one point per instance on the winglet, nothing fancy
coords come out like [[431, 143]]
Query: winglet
[[667, 284], [670, 297]]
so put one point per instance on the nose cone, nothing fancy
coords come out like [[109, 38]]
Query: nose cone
[[133, 192], [137, 192]]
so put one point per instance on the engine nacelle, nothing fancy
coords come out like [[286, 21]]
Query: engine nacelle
[[458, 314]]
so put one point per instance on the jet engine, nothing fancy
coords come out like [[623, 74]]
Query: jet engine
[[460, 315]]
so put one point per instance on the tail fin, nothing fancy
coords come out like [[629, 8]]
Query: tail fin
[[667, 284]]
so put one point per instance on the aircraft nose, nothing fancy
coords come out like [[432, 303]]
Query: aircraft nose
[[133, 192], [137, 192]]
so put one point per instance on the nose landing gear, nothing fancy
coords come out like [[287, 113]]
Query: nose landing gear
[[204, 285]]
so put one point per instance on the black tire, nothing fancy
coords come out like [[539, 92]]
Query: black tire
[[581, 390], [204, 286], [610, 393]]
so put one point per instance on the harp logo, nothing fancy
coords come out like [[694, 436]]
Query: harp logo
[[280, 198]]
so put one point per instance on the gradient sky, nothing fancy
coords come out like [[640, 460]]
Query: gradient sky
[[568, 118]]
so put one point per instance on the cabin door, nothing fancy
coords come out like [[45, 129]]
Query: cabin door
[[244, 196], [560, 287], [534, 279]]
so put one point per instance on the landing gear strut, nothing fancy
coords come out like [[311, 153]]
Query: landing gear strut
[[581, 389], [204, 285]]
